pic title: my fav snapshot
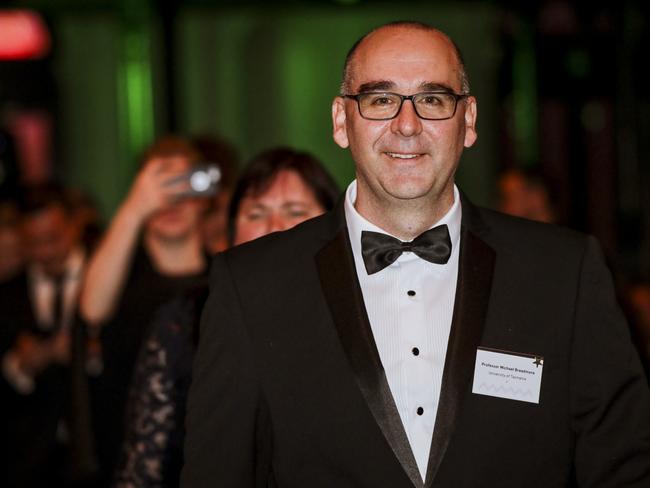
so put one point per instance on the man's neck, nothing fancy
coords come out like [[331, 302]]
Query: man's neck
[[176, 257], [404, 219], [70, 267]]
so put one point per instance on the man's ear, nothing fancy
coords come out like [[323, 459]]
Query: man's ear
[[340, 132], [470, 122]]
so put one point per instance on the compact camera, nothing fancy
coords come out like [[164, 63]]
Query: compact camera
[[202, 180]]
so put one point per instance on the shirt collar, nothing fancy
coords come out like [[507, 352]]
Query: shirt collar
[[356, 223], [74, 264]]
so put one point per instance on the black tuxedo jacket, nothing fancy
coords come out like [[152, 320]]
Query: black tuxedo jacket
[[16, 310], [29, 440], [289, 390], [32, 454]]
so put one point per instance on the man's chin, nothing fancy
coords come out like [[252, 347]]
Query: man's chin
[[408, 189]]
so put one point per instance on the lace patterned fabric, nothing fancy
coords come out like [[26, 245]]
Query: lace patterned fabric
[[152, 451]]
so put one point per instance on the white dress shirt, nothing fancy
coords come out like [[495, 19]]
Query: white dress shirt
[[410, 306], [43, 291]]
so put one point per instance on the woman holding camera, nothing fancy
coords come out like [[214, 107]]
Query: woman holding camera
[[151, 253]]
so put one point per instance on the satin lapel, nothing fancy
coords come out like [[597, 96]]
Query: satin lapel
[[335, 264], [476, 266]]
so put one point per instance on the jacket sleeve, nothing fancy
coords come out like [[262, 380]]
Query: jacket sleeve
[[227, 423], [610, 402]]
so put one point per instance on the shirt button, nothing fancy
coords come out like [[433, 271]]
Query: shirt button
[[415, 351], [420, 410], [410, 293]]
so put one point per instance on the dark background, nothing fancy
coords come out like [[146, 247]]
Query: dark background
[[562, 88]]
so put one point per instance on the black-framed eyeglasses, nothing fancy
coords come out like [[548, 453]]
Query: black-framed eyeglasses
[[437, 105]]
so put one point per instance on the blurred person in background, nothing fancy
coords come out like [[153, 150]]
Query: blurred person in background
[[526, 194], [37, 309], [151, 252], [11, 253], [224, 155], [278, 189]]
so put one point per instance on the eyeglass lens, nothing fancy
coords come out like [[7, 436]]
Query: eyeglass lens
[[387, 105]]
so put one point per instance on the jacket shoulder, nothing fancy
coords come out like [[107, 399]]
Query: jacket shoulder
[[507, 232], [280, 249]]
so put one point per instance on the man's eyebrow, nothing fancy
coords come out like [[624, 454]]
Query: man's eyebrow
[[384, 85], [371, 86], [430, 86]]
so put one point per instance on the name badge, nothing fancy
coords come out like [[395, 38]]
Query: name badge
[[510, 375]]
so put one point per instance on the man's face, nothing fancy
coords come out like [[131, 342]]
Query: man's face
[[407, 157], [48, 238], [520, 198]]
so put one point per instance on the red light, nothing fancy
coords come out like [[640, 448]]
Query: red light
[[23, 35]]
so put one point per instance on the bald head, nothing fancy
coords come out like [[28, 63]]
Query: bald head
[[347, 84]]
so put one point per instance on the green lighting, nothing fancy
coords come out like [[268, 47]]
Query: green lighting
[[136, 98], [578, 63], [524, 98]]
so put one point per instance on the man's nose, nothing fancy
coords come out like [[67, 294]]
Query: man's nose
[[407, 122]]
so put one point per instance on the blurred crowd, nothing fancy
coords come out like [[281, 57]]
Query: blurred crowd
[[99, 324]]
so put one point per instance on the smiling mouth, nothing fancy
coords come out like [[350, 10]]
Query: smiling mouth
[[403, 155]]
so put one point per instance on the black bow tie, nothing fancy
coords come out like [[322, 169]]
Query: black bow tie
[[381, 250]]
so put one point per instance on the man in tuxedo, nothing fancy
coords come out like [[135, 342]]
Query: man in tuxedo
[[37, 315], [410, 338]]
